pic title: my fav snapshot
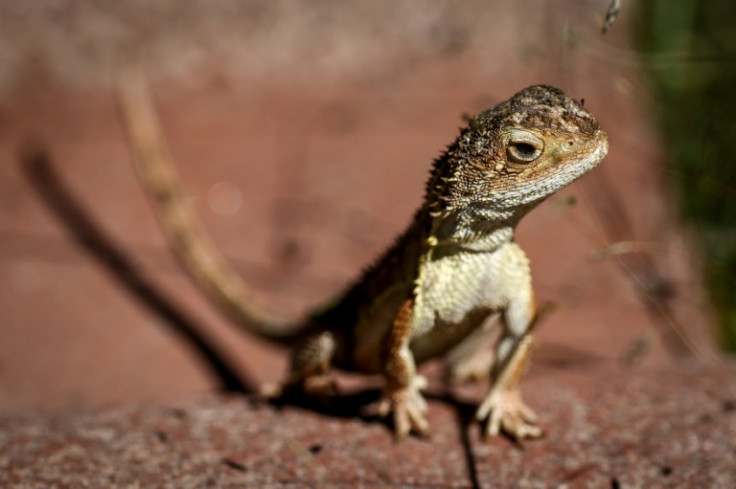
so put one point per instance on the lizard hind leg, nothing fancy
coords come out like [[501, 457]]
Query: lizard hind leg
[[472, 359], [308, 373]]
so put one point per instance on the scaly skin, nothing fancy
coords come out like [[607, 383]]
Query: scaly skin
[[453, 272]]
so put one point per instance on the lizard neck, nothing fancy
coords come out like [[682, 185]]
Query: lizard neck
[[476, 227]]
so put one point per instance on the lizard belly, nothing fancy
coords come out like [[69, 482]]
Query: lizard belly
[[454, 295], [457, 292]]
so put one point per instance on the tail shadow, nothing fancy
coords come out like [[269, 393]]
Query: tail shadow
[[37, 166]]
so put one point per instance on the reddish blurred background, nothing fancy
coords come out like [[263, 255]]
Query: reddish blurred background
[[304, 132]]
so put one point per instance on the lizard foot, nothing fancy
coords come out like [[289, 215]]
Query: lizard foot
[[271, 390], [408, 407], [504, 410], [320, 387]]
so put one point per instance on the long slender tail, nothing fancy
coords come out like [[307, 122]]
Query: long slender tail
[[189, 240]]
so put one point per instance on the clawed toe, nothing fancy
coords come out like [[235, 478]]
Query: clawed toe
[[505, 411], [408, 409], [320, 387]]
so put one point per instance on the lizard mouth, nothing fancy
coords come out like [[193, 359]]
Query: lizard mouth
[[601, 148]]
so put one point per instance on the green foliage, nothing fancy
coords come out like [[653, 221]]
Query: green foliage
[[689, 47]]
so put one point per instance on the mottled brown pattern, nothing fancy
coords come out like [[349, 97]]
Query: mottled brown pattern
[[475, 165]]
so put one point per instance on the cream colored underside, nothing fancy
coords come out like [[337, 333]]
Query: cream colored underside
[[462, 287]]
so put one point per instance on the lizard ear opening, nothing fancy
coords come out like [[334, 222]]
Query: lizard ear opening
[[523, 147]]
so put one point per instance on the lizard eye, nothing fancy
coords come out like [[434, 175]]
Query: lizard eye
[[523, 151], [524, 147]]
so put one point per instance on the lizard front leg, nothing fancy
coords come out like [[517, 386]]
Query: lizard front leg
[[503, 408], [402, 395]]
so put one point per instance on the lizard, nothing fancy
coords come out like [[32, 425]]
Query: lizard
[[456, 270]]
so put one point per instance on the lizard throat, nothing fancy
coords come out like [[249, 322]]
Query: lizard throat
[[475, 228]]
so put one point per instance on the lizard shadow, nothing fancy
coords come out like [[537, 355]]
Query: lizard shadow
[[357, 404], [345, 405], [37, 166]]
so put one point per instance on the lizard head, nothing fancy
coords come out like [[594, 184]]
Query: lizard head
[[517, 153]]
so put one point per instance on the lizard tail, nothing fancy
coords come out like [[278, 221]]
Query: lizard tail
[[189, 240]]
